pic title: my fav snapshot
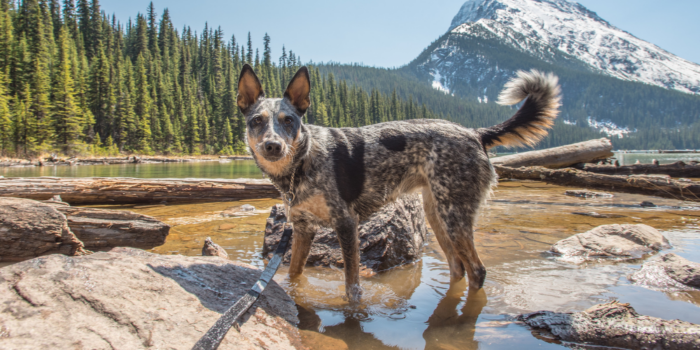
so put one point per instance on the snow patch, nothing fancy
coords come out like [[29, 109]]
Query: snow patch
[[437, 83], [608, 127]]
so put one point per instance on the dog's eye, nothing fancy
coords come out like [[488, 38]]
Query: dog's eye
[[288, 121], [257, 121]]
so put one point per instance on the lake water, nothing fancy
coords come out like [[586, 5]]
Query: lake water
[[238, 168], [663, 158], [414, 306], [210, 169]]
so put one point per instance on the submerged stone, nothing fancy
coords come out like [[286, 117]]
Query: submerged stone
[[619, 242], [587, 194], [616, 325], [669, 272]]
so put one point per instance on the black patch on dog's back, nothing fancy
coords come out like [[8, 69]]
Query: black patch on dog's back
[[393, 140], [349, 164]]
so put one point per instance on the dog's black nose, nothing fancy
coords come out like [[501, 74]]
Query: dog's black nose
[[273, 147]]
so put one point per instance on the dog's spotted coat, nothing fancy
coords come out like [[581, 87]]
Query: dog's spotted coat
[[342, 176]]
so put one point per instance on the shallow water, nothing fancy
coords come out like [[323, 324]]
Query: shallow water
[[414, 306]]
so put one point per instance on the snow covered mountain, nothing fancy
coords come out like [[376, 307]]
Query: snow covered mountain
[[540, 27]]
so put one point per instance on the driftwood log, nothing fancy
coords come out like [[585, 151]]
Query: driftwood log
[[121, 190], [637, 184], [677, 169], [560, 157]]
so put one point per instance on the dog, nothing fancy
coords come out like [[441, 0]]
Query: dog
[[338, 177]]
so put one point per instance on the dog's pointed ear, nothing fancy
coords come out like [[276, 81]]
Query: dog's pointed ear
[[249, 88], [298, 90]]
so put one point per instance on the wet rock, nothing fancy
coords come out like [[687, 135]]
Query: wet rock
[[242, 210], [587, 194], [618, 242], [391, 237], [671, 272], [616, 325], [131, 299], [29, 229], [212, 249], [647, 204], [104, 228]]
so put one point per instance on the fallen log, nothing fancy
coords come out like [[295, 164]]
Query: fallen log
[[559, 157], [104, 228], [677, 169], [121, 190], [638, 184]]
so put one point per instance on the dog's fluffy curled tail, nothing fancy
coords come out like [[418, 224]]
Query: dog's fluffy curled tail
[[532, 121]]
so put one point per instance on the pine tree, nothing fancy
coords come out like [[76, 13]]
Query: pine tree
[[142, 107], [64, 119]]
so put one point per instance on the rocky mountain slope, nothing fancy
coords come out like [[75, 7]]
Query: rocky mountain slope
[[568, 27]]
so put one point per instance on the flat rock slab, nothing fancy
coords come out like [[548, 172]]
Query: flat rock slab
[[618, 242], [669, 272], [29, 229], [391, 237], [616, 325], [131, 299]]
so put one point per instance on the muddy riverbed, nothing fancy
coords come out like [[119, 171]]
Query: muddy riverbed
[[414, 306]]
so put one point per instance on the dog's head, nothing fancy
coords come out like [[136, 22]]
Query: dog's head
[[273, 125]]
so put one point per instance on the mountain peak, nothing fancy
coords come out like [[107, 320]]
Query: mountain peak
[[573, 29]]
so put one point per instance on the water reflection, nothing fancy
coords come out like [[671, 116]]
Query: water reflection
[[447, 327]]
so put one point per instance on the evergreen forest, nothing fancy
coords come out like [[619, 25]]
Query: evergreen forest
[[75, 81]]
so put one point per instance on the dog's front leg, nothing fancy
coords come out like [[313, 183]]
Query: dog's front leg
[[301, 244], [346, 228]]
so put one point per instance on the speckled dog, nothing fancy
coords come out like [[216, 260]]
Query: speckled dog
[[342, 176]]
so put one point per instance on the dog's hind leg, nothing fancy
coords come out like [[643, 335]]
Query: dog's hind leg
[[346, 228], [459, 186], [301, 244], [438, 226]]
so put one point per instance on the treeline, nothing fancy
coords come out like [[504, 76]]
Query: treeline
[[75, 81]]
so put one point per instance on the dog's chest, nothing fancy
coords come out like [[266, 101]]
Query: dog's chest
[[315, 205]]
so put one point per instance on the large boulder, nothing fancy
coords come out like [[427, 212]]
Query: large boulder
[[131, 299], [619, 242], [29, 229], [616, 325], [391, 237], [105, 229], [670, 272]]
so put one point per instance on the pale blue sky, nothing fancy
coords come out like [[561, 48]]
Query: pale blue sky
[[390, 33]]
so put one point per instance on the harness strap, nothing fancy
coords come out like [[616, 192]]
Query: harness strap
[[215, 334]]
